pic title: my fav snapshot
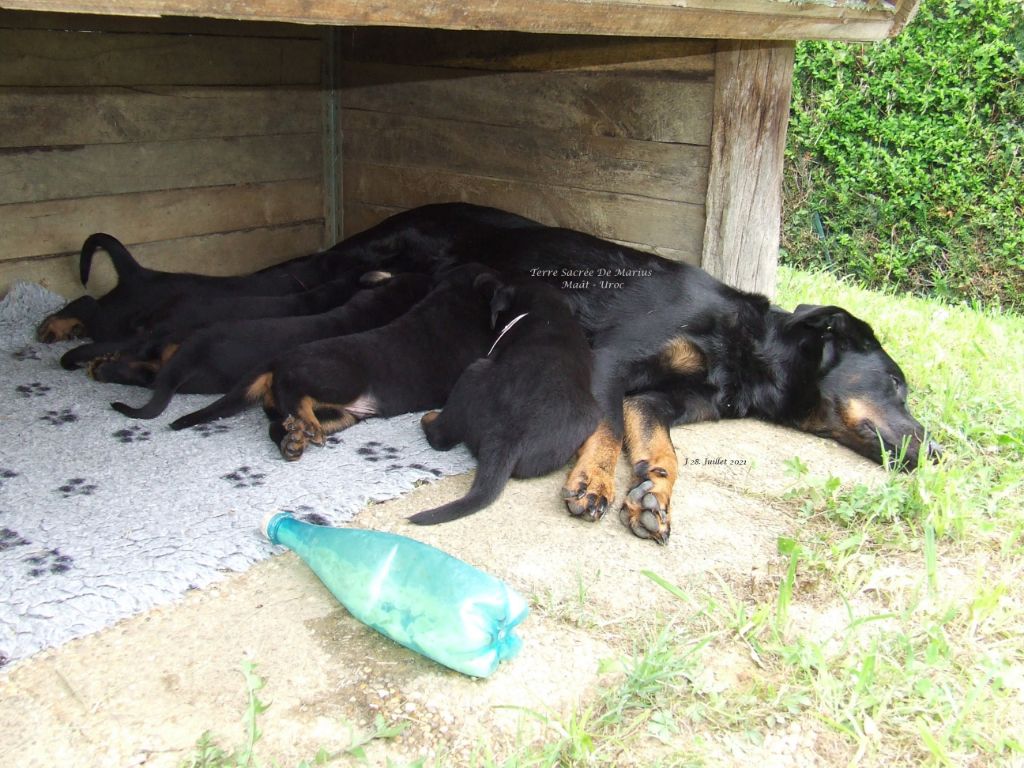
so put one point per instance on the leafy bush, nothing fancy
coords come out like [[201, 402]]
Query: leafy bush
[[904, 162]]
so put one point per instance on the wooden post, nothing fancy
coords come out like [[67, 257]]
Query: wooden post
[[753, 80]]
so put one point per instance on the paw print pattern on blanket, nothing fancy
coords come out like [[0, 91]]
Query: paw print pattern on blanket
[[57, 418], [48, 561], [244, 477], [209, 430], [374, 451], [5, 475], [76, 486], [26, 353], [32, 389], [132, 434], [10, 539], [307, 514]]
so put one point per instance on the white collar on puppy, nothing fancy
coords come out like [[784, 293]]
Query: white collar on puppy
[[506, 329]]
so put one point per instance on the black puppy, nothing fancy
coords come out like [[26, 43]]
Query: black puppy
[[408, 365], [213, 359], [144, 296], [525, 408], [180, 317]]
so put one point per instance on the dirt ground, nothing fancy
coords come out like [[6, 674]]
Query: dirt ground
[[142, 692]]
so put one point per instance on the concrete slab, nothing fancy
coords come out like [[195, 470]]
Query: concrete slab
[[142, 692]]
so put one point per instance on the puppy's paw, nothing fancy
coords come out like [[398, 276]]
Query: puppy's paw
[[293, 442], [58, 328]]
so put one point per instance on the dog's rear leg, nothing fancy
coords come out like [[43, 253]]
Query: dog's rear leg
[[70, 322], [304, 426], [645, 510]]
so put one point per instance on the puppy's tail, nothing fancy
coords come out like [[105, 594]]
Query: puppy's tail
[[493, 470], [249, 390], [124, 263]]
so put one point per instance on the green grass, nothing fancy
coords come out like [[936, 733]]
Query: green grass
[[892, 630]]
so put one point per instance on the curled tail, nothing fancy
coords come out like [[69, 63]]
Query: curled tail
[[493, 470], [124, 263], [248, 390]]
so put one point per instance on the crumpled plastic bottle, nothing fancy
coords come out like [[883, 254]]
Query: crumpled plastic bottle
[[417, 595]]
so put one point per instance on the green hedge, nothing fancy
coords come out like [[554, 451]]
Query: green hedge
[[904, 161]]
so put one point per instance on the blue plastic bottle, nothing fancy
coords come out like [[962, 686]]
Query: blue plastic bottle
[[417, 595]]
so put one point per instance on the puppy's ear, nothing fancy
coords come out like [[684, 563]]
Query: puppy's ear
[[487, 283], [501, 302]]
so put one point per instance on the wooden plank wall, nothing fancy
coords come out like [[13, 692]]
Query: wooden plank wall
[[607, 135], [198, 143]]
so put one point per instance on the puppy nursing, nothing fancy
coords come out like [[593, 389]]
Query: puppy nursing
[[525, 408]]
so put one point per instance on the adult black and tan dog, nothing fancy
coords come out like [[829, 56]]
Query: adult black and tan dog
[[525, 408], [671, 345]]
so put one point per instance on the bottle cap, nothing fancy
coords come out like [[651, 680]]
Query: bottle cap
[[268, 521]]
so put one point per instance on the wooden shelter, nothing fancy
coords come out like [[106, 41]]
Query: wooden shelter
[[223, 136]]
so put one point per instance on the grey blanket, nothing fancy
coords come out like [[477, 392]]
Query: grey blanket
[[102, 517]]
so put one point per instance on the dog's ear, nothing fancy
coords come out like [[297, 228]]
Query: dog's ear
[[501, 301], [828, 331], [487, 283]]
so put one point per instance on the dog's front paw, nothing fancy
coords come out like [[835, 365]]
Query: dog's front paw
[[645, 510], [588, 491], [590, 487], [58, 328]]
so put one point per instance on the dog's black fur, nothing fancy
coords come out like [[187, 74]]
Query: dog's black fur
[[408, 365], [525, 408], [213, 359], [146, 299], [174, 323], [671, 342]]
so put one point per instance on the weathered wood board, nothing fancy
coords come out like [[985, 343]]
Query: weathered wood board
[[184, 139], [589, 133]]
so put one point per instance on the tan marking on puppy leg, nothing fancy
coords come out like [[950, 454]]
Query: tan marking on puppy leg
[[655, 466], [168, 352], [343, 420], [590, 487], [260, 388], [55, 328], [429, 418], [307, 412]]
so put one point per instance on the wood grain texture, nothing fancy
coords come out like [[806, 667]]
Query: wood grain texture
[[60, 226], [109, 169], [658, 170], [628, 218], [730, 19], [522, 52], [225, 254], [34, 117], [49, 58], [205, 135], [744, 200], [650, 105]]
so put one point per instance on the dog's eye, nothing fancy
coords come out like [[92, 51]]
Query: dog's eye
[[897, 384]]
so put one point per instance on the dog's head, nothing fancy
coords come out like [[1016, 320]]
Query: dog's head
[[857, 393]]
